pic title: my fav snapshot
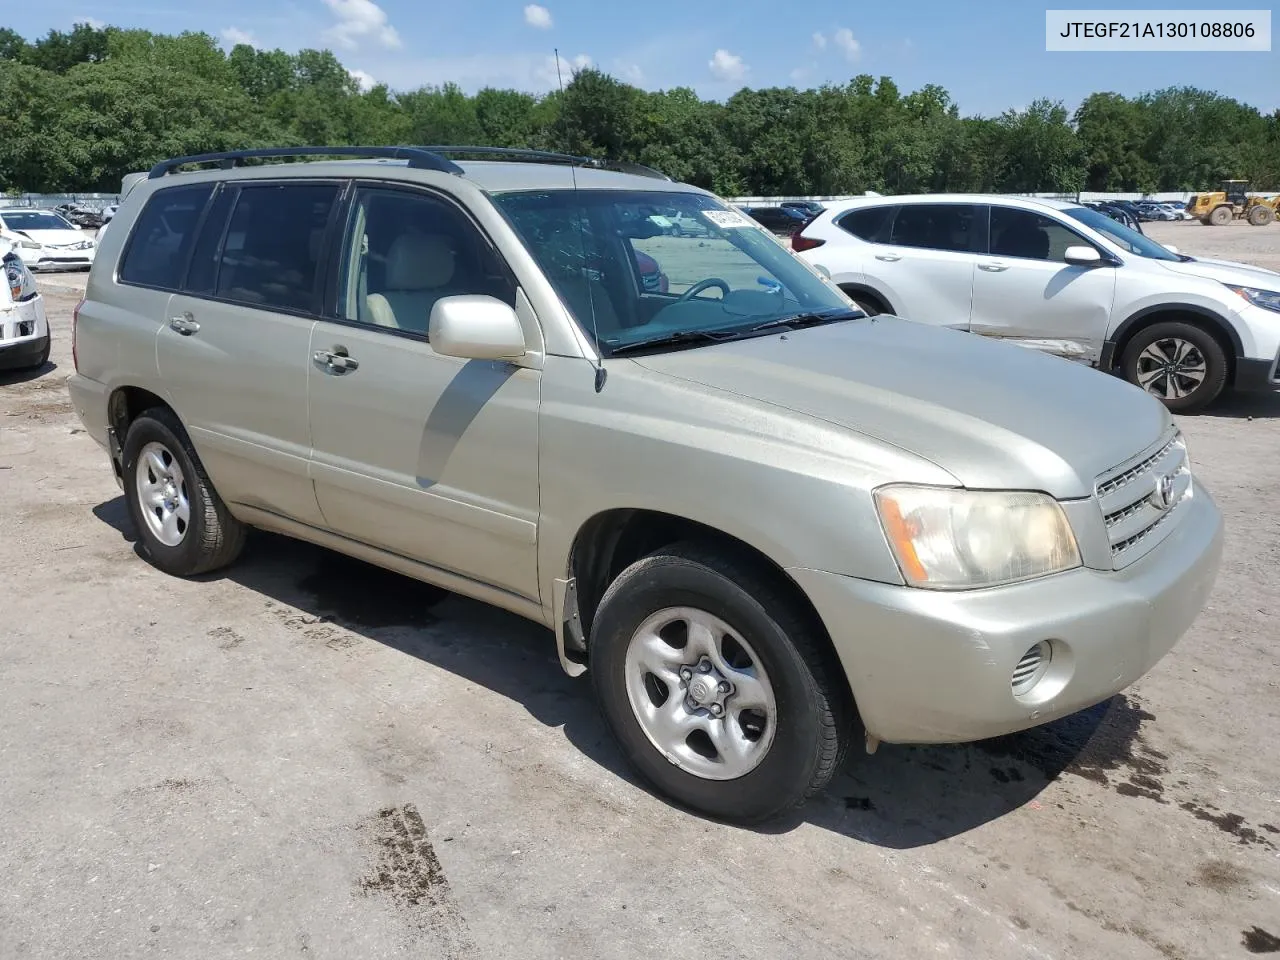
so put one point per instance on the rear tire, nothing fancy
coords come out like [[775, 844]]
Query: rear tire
[[1220, 217], [1179, 364], [781, 724], [183, 526], [1261, 216]]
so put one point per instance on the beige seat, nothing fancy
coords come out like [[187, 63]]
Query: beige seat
[[418, 272]]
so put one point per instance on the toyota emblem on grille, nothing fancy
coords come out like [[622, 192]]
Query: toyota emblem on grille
[[1162, 497]]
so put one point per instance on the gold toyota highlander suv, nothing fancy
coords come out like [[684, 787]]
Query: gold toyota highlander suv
[[769, 525]]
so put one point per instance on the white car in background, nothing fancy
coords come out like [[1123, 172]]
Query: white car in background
[[1058, 277], [24, 330], [46, 241]]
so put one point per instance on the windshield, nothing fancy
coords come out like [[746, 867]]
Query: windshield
[[1120, 235], [34, 221], [637, 265]]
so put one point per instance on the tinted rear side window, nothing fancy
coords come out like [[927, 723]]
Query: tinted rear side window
[[274, 244], [204, 261], [162, 239], [870, 224], [936, 226]]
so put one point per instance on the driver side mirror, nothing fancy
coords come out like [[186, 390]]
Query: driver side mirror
[[1082, 256], [476, 327], [1170, 247]]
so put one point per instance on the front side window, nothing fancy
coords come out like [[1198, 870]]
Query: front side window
[[936, 226], [274, 244], [629, 269], [405, 251], [1030, 236], [162, 239], [1125, 238]]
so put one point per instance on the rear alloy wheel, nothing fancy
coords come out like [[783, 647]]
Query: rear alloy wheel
[[720, 690], [183, 526], [1177, 363]]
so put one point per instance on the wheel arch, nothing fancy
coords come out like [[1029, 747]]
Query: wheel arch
[[857, 290], [611, 540], [1208, 320], [124, 405]]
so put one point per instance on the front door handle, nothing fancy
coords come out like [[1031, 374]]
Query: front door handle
[[336, 360], [185, 324], [888, 257], [993, 267]]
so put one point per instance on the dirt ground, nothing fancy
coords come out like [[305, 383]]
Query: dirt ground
[[310, 757]]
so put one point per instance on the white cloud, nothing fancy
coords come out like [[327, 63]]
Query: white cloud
[[90, 21], [801, 74], [848, 44], [727, 66], [233, 36], [547, 75], [536, 15], [360, 20], [366, 82], [820, 40], [629, 72]]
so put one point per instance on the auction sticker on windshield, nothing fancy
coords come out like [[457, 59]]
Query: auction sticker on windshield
[[726, 219]]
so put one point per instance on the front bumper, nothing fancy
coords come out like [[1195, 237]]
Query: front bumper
[[933, 667], [1257, 376], [24, 333], [57, 258]]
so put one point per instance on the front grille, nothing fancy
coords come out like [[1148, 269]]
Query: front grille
[[1140, 502]]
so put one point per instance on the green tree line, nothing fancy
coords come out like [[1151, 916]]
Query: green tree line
[[80, 109]]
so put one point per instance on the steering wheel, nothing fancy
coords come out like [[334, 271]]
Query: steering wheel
[[701, 285]]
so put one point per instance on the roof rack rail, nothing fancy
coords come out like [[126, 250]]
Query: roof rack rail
[[420, 158], [548, 156]]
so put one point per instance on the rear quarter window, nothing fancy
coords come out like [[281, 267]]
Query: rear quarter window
[[157, 252], [868, 223]]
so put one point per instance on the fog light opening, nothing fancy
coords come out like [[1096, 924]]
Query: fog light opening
[[1031, 669]]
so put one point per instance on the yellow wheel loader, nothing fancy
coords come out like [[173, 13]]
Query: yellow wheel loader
[[1232, 202]]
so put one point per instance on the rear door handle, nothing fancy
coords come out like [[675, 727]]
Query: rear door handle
[[993, 267], [185, 324], [888, 257], [335, 360]]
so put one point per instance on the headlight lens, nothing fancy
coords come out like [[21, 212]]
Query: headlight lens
[[1266, 299], [22, 285], [949, 539]]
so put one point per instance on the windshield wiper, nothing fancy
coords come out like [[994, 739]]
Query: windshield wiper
[[673, 339], [796, 321]]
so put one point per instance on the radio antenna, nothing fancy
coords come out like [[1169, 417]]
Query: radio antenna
[[601, 373]]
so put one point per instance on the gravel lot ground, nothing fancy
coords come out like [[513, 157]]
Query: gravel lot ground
[[310, 757]]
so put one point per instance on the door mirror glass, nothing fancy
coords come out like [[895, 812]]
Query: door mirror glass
[[1082, 255], [1171, 248], [476, 327]]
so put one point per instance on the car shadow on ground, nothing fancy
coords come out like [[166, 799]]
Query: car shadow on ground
[[901, 797], [1245, 406], [11, 378]]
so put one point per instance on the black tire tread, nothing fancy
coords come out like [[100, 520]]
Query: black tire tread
[[222, 535], [836, 712]]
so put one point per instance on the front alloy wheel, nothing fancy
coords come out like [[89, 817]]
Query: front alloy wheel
[[1178, 363], [700, 693]]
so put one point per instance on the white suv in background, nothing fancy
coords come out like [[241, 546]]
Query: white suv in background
[[1061, 278]]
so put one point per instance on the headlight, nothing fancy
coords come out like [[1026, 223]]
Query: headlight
[[22, 285], [1266, 299], [948, 539]]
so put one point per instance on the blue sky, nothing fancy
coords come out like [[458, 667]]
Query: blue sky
[[990, 56]]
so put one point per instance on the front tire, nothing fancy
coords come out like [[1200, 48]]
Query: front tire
[[183, 526], [719, 689], [1179, 364], [1260, 216]]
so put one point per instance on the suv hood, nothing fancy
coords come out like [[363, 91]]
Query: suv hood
[[54, 238], [1227, 271], [991, 414]]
